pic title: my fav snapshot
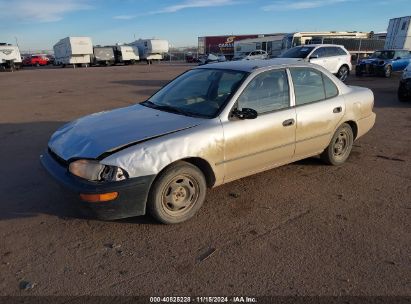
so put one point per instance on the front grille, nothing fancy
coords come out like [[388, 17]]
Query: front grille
[[369, 69], [58, 158]]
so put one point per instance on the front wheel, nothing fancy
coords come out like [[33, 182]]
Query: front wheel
[[340, 146], [387, 71], [177, 194], [343, 73], [402, 94]]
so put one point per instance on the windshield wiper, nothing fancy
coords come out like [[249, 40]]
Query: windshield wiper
[[174, 110], [167, 108], [148, 103]]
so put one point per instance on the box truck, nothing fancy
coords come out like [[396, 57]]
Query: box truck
[[73, 50], [10, 58], [103, 55], [399, 34], [126, 54], [151, 49]]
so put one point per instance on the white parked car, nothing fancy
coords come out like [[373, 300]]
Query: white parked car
[[335, 58], [255, 55]]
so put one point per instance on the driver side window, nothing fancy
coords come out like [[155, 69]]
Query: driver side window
[[267, 92]]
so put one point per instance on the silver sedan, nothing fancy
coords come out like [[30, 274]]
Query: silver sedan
[[211, 125]]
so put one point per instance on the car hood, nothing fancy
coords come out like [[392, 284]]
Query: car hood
[[93, 135], [373, 61]]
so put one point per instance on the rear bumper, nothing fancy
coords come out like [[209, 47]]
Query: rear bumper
[[365, 124], [132, 193]]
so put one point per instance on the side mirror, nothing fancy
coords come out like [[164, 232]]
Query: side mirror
[[314, 57], [398, 58], [245, 113]]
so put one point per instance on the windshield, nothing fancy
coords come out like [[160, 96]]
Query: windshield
[[298, 52], [383, 54], [199, 92]]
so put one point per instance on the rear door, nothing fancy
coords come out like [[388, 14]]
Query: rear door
[[319, 110]]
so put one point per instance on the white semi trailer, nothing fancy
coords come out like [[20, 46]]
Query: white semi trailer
[[399, 34], [126, 54], [151, 49], [10, 58], [73, 50]]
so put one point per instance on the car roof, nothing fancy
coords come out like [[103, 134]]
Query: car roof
[[315, 45], [392, 50], [252, 65]]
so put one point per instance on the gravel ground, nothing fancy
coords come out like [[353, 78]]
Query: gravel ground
[[302, 229]]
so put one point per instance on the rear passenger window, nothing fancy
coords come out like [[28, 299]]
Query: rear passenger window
[[267, 92], [308, 85], [311, 85], [331, 89], [340, 51]]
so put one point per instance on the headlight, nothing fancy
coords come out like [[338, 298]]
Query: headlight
[[94, 171]]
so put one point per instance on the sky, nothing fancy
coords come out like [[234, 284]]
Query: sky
[[39, 24]]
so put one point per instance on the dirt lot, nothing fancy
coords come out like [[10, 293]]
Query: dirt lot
[[302, 229]]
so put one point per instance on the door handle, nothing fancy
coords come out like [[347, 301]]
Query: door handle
[[288, 122], [337, 110]]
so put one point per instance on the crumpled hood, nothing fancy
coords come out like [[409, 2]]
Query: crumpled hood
[[93, 135]]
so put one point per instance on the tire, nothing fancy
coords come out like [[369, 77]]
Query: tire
[[343, 73], [387, 71], [177, 194], [402, 94], [340, 146]]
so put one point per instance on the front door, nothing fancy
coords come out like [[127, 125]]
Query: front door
[[269, 140]]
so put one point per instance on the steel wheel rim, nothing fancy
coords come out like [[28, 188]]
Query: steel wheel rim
[[341, 144], [388, 71], [180, 195]]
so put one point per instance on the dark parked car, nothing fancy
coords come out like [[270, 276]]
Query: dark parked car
[[383, 63], [404, 90]]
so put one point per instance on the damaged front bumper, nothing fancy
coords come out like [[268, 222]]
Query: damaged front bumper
[[130, 201]]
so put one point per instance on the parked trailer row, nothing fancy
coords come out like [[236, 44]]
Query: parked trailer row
[[79, 51]]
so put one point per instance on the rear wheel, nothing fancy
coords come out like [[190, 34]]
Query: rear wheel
[[343, 73], [177, 194], [340, 146]]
